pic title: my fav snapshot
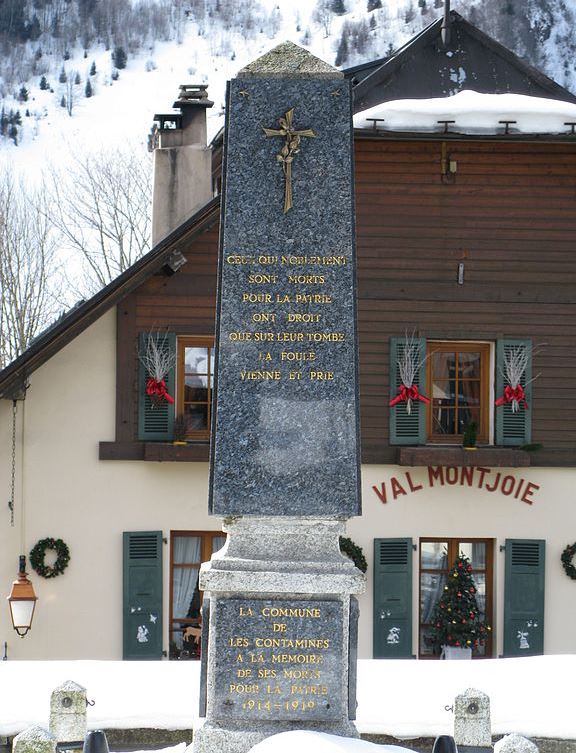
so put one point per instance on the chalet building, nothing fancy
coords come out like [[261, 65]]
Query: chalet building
[[466, 225]]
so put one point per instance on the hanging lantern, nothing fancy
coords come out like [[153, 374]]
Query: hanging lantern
[[22, 601]]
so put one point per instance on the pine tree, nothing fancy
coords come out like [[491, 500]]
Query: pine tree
[[23, 94], [13, 134], [44, 84], [372, 22], [119, 58], [88, 89], [373, 5], [63, 101], [456, 619], [62, 78], [342, 52], [338, 7], [77, 79], [93, 68]]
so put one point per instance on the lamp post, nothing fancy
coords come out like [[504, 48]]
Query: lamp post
[[22, 601]]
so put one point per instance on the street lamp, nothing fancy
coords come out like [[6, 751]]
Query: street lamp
[[22, 601]]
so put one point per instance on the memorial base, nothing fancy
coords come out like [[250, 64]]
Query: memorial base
[[213, 738], [280, 650]]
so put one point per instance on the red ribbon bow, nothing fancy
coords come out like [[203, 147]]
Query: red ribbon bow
[[511, 394], [408, 393], [156, 388]]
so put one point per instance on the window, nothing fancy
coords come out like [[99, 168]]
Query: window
[[459, 390], [190, 381], [188, 549], [436, 558], [195, 382]]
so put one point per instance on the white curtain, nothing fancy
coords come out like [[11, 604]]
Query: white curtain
[[185, 579]]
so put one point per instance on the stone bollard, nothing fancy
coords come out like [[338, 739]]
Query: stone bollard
[[68, 712], [515, 743], [472, 729], [34, 740]]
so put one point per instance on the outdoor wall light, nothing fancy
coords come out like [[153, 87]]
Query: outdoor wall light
[[22, 601]]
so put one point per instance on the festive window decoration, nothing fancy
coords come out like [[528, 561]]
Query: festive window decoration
[[566, 558], [38, 554], [515, 363], [456, 620], [352, 550], [158, 359], [408, 363]]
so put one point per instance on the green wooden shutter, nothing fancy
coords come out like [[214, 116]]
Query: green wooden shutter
[[407, 429], [142, 610], [524, 597], [513, 429], [392, 598], [156, 422]]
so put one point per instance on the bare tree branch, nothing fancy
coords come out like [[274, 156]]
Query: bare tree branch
[[102, 210]]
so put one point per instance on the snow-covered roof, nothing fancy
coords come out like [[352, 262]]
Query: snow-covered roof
[[473, 113]]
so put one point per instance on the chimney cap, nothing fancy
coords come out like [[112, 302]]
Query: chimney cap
[[193, 94]]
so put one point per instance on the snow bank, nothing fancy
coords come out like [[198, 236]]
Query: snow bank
[[305, 741], [532, 696], [473, 113]]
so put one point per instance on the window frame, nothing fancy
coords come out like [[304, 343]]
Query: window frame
[[193, 341], [486, 380], [206, 546], [454, 543]]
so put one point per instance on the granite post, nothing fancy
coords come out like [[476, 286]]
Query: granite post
[[472, 726], [279, 612]]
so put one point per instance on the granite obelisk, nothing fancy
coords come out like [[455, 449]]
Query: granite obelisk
[[279, 612]]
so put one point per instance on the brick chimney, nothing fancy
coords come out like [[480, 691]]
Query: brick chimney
[[182, 161]]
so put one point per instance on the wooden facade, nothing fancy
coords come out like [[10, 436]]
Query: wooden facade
[[506, 211]]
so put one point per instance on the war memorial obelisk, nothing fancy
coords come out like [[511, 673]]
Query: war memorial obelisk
[[279, 613]]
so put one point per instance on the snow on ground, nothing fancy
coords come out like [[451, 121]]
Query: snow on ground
[[306, 741], [473, 112], [532, 696]]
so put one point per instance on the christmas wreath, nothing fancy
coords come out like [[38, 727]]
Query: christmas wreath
[[352, 550], [38, 554], [566, 558]]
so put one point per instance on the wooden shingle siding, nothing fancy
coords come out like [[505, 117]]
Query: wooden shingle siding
[[509, 216]]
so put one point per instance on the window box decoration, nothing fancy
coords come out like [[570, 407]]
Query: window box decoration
[[515, 363], [158, 359], [408, 363]]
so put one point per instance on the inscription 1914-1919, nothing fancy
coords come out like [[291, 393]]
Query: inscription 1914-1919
[[279, 659]]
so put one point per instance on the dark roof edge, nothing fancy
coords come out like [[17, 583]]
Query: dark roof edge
[[389, 65], [395, 61], [80, 317], [545, 81]]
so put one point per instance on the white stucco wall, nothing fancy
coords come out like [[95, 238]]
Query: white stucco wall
[[69, 493]]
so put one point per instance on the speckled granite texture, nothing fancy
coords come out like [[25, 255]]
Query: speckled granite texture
[[286, 424]]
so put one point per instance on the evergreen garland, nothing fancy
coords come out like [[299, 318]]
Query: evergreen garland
[[352, 550], [566, 558], [456, 619], [38, 553]]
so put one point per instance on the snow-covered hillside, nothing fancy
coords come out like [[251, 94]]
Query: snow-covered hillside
[[209, 47]]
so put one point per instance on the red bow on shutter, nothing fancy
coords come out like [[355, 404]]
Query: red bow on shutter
[[408, 393], [158, 390], [513, 394]]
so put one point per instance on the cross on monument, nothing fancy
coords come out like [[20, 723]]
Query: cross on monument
[[288, 151]]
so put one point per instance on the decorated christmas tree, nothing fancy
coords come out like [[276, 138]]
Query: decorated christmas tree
[[456, 619]]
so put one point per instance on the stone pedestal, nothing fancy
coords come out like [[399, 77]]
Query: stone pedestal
[[68, 712], [281, 641], [472, 727]]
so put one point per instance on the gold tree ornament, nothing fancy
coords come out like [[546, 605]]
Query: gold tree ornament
[[289, 150]]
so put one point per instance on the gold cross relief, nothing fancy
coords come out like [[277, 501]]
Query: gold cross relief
[[288, 151]]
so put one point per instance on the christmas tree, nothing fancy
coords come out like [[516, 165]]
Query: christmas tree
[[456, 619]]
